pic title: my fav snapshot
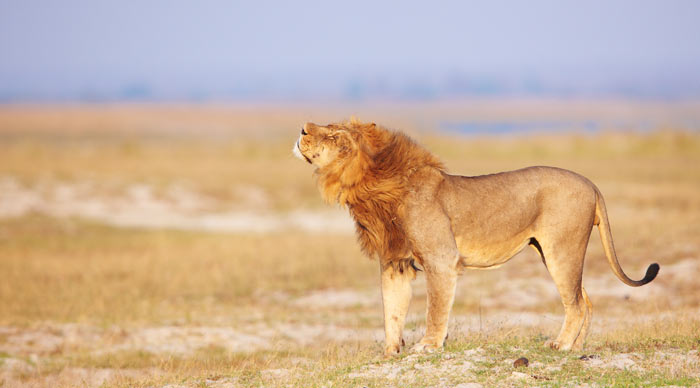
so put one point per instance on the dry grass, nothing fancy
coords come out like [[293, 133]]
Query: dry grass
[[82, 304], [71, 271]]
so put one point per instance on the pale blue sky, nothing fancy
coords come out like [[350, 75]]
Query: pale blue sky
[[322, 49]]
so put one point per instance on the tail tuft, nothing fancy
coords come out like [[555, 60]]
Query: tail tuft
[[652, 271]]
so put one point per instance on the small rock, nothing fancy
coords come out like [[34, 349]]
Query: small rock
[[587, 357], [522, 361]]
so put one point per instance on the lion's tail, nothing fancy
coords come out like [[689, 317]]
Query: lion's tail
[[601, 219]]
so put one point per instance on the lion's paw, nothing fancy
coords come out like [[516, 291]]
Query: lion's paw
[[391, 351], [556, 345], [423, 347]]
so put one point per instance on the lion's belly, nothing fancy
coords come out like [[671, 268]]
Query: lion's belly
[[489, 254], [492, 238], [497, 237]]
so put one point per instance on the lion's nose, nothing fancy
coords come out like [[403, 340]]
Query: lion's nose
[[306, 128]]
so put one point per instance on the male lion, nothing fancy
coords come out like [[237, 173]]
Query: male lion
[[409, 211]]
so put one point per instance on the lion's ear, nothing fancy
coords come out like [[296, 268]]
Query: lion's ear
[[355, 122], [369, 128]]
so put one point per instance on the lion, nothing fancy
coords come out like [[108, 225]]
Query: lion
[[414, 216]]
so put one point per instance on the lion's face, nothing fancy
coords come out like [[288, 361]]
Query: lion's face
[[322, 146]]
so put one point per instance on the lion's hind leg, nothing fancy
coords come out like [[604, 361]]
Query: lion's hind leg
[[578, 344], [564, 261]]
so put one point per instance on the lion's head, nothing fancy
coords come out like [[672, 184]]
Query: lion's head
[[343, 154], [326, 145]]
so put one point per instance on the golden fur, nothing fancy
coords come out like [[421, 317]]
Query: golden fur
[[408, 210]]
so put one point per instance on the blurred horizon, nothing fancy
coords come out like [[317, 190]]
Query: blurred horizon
[[82, 51]]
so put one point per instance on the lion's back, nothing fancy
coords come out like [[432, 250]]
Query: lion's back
[[516, 195]]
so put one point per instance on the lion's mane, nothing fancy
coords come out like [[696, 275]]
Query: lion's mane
[[371, 180]]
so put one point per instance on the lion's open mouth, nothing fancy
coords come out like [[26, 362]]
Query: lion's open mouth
[[298, 151], [307, 159]]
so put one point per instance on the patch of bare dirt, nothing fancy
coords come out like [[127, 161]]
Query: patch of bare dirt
[[177, 208], [408, 369], [338, 299], [627, 361], [54, 339]]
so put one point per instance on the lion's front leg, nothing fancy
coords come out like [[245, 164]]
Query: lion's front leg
[[396, 296], [441, 282]]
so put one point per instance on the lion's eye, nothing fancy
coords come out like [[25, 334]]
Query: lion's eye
[[303, 132]]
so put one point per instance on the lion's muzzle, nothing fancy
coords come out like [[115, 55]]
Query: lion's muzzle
[[297, 152]]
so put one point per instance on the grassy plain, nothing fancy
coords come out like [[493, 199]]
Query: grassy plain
[[86, 303]]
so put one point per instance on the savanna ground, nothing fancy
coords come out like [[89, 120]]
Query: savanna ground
[[183, 246]]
